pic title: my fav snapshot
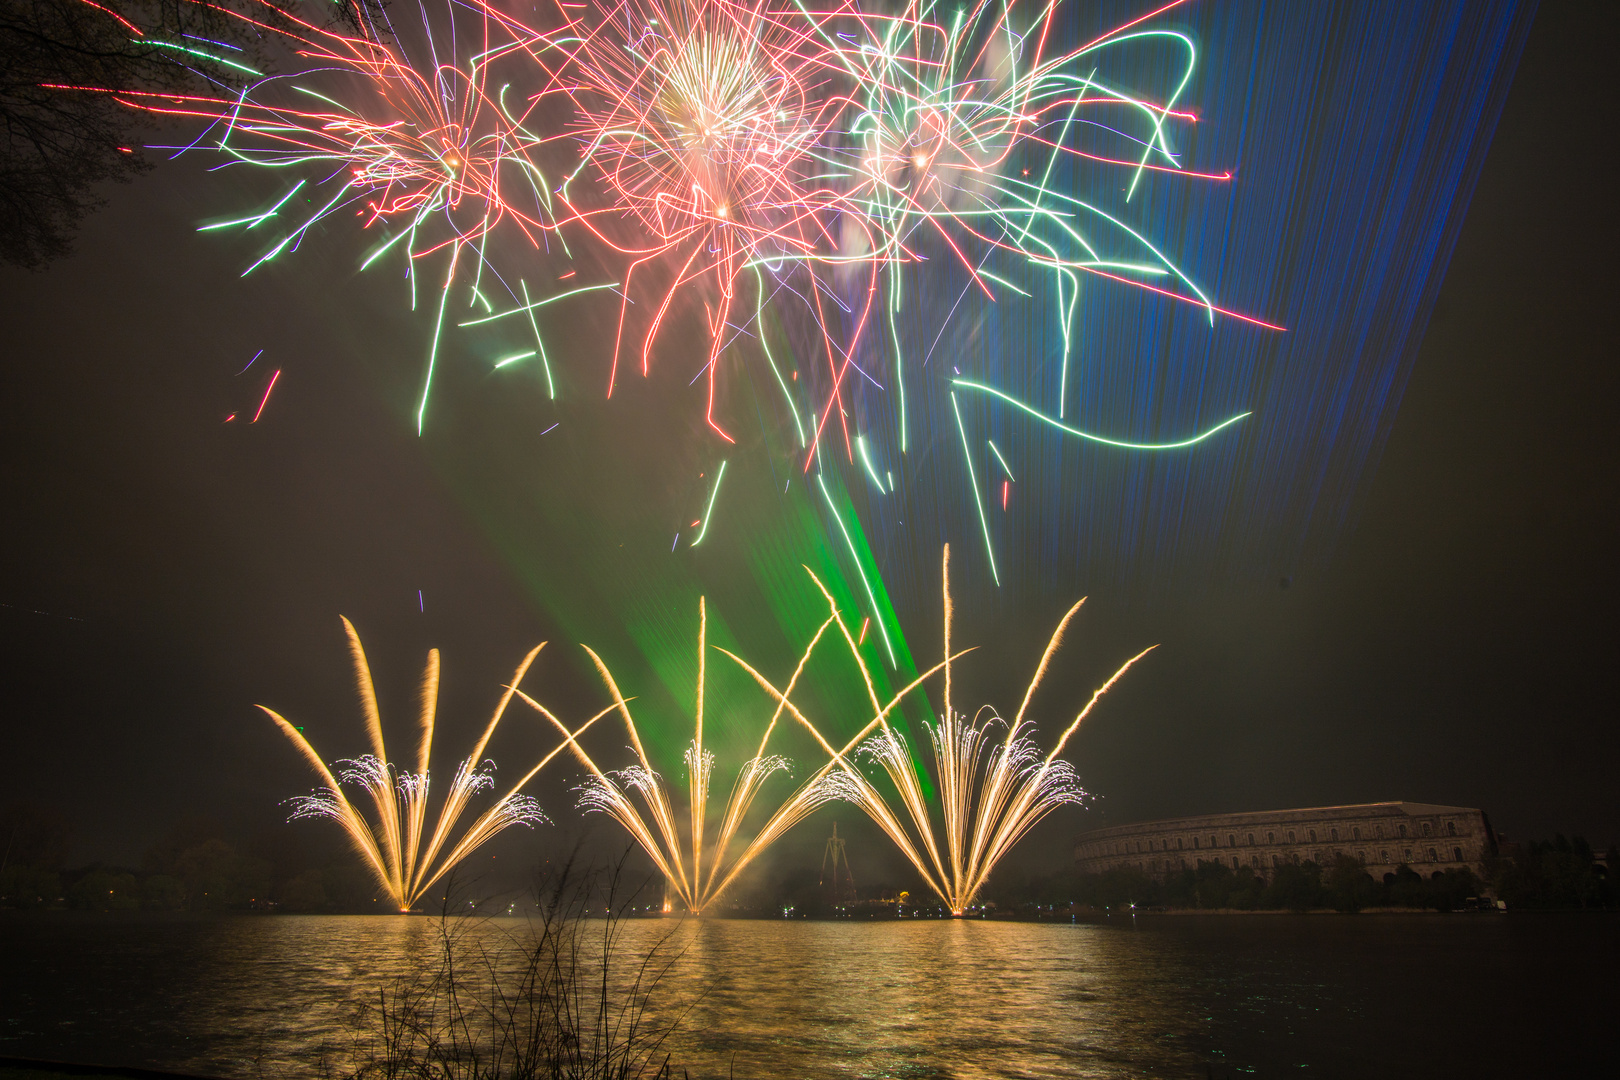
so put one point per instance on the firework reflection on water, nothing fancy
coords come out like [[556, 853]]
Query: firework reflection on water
[[1251, 995]]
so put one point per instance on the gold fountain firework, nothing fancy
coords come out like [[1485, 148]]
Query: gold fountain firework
[[697, 871], [991, 791], [393, 847]]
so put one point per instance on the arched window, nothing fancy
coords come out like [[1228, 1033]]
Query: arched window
[[1402, 829], [1312, 834], [1356, 832], [1275, 862], [1291, 836], [1271, 838], [1214, 841], [1361, 855], [1428, 830], [1383, 855], [1432, 856], [1234, 862], [1334, 833], [1231, 839], [1378, 831], [1456, 854], [1195, 843], [1451, 828], [1251, 839], [1178, 843]]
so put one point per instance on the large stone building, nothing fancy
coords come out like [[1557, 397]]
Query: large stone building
[[1383, 836]]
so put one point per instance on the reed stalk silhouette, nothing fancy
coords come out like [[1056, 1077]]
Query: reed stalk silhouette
[[564, 996]]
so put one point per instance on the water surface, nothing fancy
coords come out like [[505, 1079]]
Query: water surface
[[1182, 996]]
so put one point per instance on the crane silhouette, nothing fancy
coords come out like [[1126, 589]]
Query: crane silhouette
[[839, 884]]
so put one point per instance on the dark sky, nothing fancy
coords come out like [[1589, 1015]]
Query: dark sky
[[161, 572]]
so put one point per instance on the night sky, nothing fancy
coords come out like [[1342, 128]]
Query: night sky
[[162, 572]]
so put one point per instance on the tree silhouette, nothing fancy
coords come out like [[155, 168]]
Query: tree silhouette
[[64, 63]]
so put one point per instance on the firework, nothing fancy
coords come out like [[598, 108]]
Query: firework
[[395, 143], [701, 122], [992, 788], [723, 146], [738, 157], [968, 138], [923, 140], [941, 117], [402, 854], [700, 867], [436, 160]]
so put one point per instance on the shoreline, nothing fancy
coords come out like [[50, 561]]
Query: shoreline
[[15, 1068]]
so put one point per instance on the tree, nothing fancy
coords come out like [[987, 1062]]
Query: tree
[[210, 871], [29, 887], [1560, 874], [1124, 887], [160, 892], [1213, 884], [64, 65], [1406, 888], [1350, 888], [31, 835], [33, 843], [105, 889], [1296, 886], [306, 892], [1450, 890]]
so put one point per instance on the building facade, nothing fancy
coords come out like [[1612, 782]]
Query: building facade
[[1383, 836]]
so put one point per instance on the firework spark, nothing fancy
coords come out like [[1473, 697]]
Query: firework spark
[[404, 857]]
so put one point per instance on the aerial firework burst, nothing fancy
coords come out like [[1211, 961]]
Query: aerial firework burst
[[402, 854], [759, 146], [966, 133], [823, 174], [434, 159], [702, 122], [810, 156], [846, 164]]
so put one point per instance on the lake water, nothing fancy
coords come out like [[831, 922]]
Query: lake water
[[1357, 997]]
